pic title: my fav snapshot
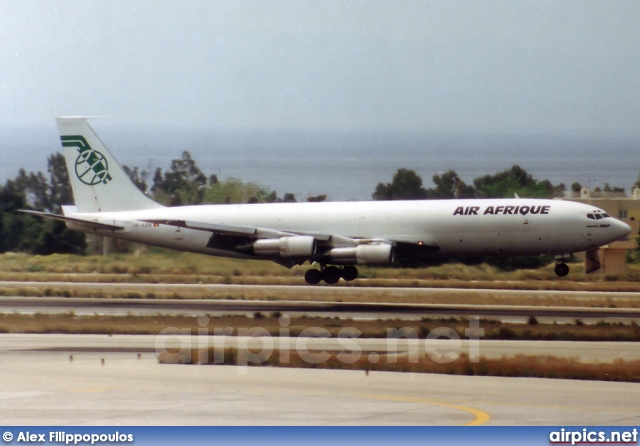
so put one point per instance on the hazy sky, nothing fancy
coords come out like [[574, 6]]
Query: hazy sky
[[488, 67]]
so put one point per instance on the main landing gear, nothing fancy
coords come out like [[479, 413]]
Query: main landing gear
[[562, 269], [331, 274]]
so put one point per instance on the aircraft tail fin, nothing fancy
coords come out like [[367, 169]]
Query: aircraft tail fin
[[99, 184]]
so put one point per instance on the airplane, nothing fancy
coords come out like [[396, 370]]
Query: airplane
[[337, 236]]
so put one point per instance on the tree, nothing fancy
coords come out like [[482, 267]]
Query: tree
[[56, 238], [609, 188], [235, 191], [11, 226], [20, 232], [576, 187], [289, 198], [137, 177], [449, 185], [34, 188], [406, 185], [183, 184], [317, 198], [515, 181]]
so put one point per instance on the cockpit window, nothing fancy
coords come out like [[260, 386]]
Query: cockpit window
[[598, 216]]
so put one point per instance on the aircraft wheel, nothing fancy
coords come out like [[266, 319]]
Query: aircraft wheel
[[313, 276], [562, 269], [331, 275], [349, 273]]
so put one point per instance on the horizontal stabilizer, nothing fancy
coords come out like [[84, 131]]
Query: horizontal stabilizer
[[79, 221]]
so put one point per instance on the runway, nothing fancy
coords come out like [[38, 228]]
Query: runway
[[91, 306], [44, 387], [315, 292], [107, 380], [585, 351]]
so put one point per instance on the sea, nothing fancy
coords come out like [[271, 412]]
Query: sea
[[345, 165]]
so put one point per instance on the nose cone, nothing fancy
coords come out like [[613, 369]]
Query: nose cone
[[619, 230]]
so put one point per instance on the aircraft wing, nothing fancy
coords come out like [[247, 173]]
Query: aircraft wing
[[228, 230], [236, 233], [86, 223]]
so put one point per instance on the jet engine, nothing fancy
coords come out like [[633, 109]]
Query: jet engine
[[379, 254], [286, 247]]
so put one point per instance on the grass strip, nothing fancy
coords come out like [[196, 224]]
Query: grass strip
[[519, 366], [162, 266], [70, 323], [325, 294]]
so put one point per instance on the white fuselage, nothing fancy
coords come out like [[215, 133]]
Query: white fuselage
[[459, 228]]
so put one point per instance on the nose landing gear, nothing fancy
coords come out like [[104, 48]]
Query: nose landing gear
[[331, 274]]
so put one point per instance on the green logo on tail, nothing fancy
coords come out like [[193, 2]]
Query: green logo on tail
[[91, 166]]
